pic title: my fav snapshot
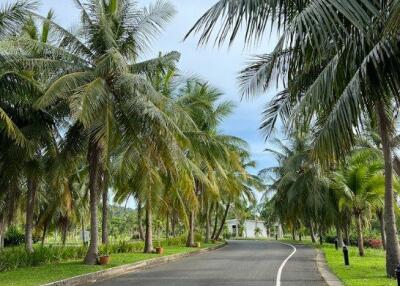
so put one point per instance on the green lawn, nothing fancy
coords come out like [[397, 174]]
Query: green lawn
[[363, 271], [33, 276]]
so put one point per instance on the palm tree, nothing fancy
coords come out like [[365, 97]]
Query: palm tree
[[36, 127], [300, 186], [12, 18], [104, 85], [340, 72], [362, 180]]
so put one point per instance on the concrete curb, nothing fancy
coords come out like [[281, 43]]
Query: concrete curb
[[120, 270], [329, 277]]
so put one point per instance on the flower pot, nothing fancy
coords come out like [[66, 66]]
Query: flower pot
[[159, 250], [104, 260], [197, 244]]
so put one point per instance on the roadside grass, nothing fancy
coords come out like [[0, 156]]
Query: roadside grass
[[369, 270], [33, 276]]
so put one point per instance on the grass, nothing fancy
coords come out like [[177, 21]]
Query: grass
[[33, 276], [363, 271], [369, 270]]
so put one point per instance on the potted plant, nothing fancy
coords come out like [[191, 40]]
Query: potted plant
[[104, 256], [159, 249]]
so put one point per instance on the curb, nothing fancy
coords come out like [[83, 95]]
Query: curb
[[327, 275], [119, 270]]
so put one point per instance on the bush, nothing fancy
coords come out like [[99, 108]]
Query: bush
[[14, 237], [329, 239], [371, 242], [123, 247], [17, 257], [374, 243], [227, 235], [181, 240]]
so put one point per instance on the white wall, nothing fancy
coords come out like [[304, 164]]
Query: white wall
[[249, 228]]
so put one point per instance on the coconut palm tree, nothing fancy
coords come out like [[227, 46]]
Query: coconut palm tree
[[341, 71], [37, 127], [12, 18], [362, 180], [300, 187], [104, 85]]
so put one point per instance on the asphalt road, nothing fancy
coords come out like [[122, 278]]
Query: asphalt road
[[252, 263]]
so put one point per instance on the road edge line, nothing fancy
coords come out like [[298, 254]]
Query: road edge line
[[101, 275], [279, 274]]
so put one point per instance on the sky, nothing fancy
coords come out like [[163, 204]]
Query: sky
[[218, 66]]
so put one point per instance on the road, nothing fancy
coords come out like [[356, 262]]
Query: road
[[251, 263]]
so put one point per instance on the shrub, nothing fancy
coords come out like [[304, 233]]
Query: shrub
[[374, 243], [17, 257], [371, 242], [227, 235], [175, 241], [14, 237], [181, 240]]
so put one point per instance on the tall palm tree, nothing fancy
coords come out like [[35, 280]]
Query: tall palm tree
[[103, 83], [362, 180], [37, 127], [341, 71]]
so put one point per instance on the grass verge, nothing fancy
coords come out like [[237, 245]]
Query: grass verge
[[33, 276], [369, 270]]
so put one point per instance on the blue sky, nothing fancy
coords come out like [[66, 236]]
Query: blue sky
[[218, 66]]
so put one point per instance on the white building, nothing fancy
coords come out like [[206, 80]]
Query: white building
[[252, 229]]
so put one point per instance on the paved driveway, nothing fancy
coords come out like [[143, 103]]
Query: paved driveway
[[252, 263]]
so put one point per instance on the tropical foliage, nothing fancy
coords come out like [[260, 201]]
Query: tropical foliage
[[338, 64], [83, 119]]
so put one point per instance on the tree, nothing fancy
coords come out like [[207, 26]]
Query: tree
[[104, 85], [340, 72], [362, 180]]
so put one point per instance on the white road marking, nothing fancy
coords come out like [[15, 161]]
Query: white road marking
[[278, 276]]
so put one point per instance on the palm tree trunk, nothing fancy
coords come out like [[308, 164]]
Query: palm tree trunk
[[215, 222], [167, 226], [379, 214], [208, 223], [148, 242], [293, 233], [392, 243], [30, 208], [339, 235], [83, 233], [190, 238], [360, 237], [2, 230], [94, 163], [321, 241], [173, 224], [312, 232], [104, 221], [64, 230], [223, 221], [139, 218], [347, 233], [44, 233]]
